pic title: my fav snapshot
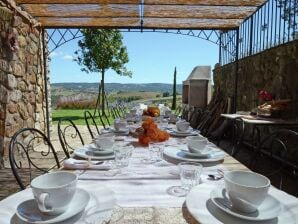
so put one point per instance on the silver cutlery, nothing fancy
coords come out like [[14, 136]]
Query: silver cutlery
[[218, 176]]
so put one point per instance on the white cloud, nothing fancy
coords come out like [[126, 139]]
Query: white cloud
[[67, 57]]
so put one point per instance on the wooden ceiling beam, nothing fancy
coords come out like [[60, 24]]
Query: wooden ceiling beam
[[152, 23], [88, 10], [150, 2], [155, 11], [205, 12]]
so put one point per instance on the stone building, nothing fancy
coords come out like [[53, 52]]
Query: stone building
[[22, 89], [197, 88]]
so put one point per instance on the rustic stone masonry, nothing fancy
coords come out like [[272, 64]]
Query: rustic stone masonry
[[274, 70], [22, 97]]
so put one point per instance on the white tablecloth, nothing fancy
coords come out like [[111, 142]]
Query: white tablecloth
[[141, 185]]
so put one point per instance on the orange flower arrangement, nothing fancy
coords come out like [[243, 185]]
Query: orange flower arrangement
[[152, 133]]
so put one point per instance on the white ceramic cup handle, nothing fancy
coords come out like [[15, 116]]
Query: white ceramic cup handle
[[41, 202]]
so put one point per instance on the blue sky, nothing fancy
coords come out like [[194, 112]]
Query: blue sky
[[152, 58]]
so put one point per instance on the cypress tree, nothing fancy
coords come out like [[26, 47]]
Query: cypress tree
[[174, 91]]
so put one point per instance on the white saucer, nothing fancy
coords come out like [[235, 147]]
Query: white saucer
[[269, 209], [176, 133], [184, 132], [101, 152], [28, 210], [83, 153], [96, 151], [123, 131], [197, 155], [106, 130], [180, 155]]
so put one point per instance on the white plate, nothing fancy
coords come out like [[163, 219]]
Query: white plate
[[175, 133], [269, 209], [28, 210], [97, 151], [81, 152], [178, 154]]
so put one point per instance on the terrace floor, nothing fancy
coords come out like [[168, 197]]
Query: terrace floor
[[9, 186]]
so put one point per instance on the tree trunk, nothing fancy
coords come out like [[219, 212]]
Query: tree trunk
[[97, 106], [103, 92]]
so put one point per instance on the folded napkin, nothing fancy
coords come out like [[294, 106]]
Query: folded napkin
[[74, 164]]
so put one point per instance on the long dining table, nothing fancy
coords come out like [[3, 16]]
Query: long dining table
[[139, 193]]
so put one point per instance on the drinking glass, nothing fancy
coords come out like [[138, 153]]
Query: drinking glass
[[190, 173], [156, 151], [122, 155], [163, 123]]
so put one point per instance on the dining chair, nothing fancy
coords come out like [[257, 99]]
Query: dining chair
[[195, 117], [184, 112], [122, 109], [69, 136], [91, 124], [104, 120], [31, 154], [204, 119], [178, 110], [275, 155], [116, 112]]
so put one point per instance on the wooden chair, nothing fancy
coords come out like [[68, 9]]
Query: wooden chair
[[31, 154], [69, 136]]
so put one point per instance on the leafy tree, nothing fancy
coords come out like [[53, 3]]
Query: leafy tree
[[174, 90], [165, 94], [101, 50]]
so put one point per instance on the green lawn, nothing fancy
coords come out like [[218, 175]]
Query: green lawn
[[76, 115]]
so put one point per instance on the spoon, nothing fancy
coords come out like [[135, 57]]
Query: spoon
[[218, 176], [215, 177]]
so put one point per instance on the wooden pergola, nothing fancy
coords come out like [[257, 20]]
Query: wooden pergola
[[139, 14], [147, 14]]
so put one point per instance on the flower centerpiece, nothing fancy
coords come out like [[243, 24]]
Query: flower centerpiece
[[270, 107], [265, 95], [152, 111], [150, 132]]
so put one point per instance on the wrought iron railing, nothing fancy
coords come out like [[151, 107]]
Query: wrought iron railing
[[58, 37], [273, 24]]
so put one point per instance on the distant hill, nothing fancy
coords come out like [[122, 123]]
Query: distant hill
[[116, 87], [89, 90]]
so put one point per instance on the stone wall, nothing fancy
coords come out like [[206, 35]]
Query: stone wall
[[21, 78], [274, 70]]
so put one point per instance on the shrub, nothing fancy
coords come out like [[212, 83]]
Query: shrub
[[165, 94]]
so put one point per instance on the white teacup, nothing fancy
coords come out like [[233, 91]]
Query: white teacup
[[168, 113], [196, 144], [54, 191], [182, 126], [105, 141], [133, 112], [173, 118], [246, 190], [120, 125]]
